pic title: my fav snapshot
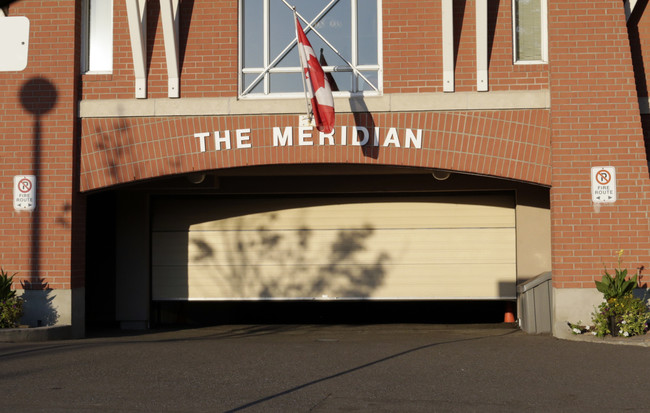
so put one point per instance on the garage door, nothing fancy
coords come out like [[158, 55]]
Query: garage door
[[408, 247]]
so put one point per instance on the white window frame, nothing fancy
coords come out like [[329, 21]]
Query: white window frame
[[268, 60], [86, 65], [544, 35]]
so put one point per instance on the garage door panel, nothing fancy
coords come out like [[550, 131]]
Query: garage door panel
[[333, 213], [343, 250], [432, 281], [432, 245]]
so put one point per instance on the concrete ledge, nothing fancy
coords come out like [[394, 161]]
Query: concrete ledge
[[395, 102], [34, 334]]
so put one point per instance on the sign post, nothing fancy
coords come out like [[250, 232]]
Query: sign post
[[603, 184], [24, 193]]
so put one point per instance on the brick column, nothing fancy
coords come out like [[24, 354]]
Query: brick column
[[37, 131], [595, 121]]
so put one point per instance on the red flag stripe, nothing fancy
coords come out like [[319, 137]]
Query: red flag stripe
[[319, 89]]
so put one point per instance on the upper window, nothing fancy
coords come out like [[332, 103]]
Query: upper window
[[345, 35], [530, 31], [98, 36]]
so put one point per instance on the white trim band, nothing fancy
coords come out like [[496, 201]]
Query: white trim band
[[400, 102]]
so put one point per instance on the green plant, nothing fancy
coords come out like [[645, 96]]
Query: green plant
[[579, 328], [6, 281], [626, 316], [11, 307], [10, 312], [617, 286], [620, 314]]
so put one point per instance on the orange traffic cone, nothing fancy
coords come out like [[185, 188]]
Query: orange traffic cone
[[509, 316]]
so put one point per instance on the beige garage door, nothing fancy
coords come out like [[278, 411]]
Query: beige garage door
[[416, 247]]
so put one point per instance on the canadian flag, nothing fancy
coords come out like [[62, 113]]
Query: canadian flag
[[318, 88]]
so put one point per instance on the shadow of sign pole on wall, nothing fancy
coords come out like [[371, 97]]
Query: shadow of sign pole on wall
[[38, 96]]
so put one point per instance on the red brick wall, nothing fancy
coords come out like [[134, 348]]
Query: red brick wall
[[37, 130], [412, 37], [511, 144], [595, 122]]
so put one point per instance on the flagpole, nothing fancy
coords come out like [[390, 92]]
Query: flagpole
[[302, 64]]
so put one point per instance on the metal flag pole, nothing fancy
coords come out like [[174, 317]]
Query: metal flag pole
[[302, 64]]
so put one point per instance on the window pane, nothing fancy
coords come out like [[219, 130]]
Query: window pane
[[528, 29], [286, 82], [100, 35], [372, 76], [283, 31], [253, 37], [335, 27], [340, 81], [291, 59], [367, 32], [249, 78]]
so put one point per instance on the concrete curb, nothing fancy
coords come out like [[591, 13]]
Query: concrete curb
[[34, 334], [640, 341]]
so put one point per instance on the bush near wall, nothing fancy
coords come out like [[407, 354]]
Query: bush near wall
[[11, 306]]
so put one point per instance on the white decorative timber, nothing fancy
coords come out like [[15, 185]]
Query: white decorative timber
[[448, 46], [136, 13], [629, 8], [482, 45], [170, 22]]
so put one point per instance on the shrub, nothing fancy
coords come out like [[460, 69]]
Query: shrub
[[617, 286], [6, 281], [10, 312], [11, 307], [626, 316]]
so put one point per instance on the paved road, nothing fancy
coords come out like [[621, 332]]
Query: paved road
[[303, 368]]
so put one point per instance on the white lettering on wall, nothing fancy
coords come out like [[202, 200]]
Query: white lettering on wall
[[416, 140], [391, 138], [355, 136], [358, 136], [243, 138], [202, 137], [218, 140], [304, 133], [329, 136], [283, 139]]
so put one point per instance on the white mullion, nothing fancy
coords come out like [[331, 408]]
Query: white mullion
[[513, 13], [240, 58], [354, 46], [267, 44], [380, 46], [629, 8], [356, 71], [544, 28], [270, 64]]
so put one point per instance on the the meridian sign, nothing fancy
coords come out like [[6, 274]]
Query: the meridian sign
[[603, 184], [24, 193], [309, 136]]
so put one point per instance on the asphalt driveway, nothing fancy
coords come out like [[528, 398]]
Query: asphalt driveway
[[323, 368]]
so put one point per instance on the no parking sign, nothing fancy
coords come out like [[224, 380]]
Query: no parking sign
[[24, 193], [603, 184]]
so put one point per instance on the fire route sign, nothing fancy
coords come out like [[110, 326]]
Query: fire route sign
[[24, 193], [603, 184]]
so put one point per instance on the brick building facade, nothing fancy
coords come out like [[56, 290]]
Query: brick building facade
[[172, 124]]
